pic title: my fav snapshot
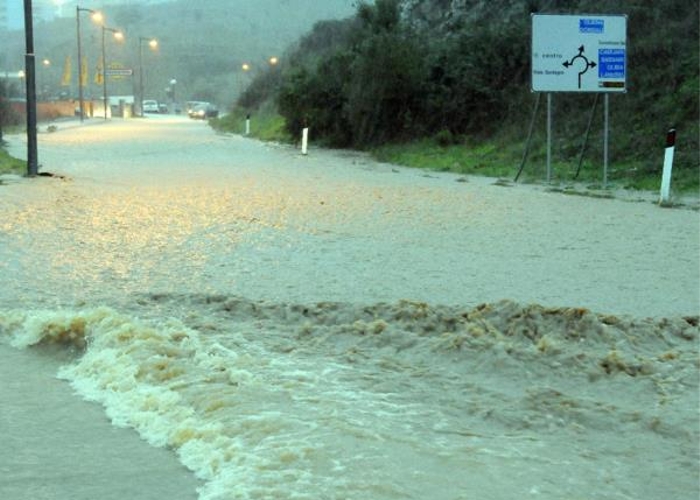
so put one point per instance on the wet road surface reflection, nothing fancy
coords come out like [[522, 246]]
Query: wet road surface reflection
[[167, 205]]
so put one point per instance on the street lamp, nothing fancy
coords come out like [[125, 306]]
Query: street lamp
[[272, 61], [246, 67], [118, 35], [98, 18], [21, 74], [173, 82], [153, 44], [43, 87]]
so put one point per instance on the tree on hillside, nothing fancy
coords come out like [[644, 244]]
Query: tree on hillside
[[364, 92], [385, 90], [472, 77], [464, 70]]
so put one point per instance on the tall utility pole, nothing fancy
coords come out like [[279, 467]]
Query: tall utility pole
[[153, 43], [97, 17], [80, 66], [119, 36], [30, 80]]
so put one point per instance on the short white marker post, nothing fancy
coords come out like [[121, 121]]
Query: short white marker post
[[247, 125], [668, 165], [304, 140]]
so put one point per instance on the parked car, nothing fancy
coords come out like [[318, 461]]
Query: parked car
[[203, 110], [150, 106]]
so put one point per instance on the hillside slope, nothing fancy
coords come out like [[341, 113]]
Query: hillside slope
[[404, 70]]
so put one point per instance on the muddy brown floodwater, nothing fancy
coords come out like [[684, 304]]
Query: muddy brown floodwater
[[326, 326]]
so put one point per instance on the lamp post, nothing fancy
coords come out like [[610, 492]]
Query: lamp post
[[153, 43], [97, 17], [118, 35], [170, 92], [30, 92]]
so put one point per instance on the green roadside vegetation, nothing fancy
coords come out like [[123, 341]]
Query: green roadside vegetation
[[11, 165], [500, 156], [9, 123], [416, 90], [265, 124]]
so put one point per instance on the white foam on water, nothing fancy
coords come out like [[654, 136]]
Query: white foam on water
[[384, 401]]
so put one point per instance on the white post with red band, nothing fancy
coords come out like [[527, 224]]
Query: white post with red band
[[668, 165]]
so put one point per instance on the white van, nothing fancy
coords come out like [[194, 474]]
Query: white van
[[150, 106]]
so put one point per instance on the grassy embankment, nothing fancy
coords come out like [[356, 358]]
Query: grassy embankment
[[11, 165], [265, 125], [499, 157]]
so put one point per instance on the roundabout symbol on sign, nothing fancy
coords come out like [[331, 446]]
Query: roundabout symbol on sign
[[584, 59]]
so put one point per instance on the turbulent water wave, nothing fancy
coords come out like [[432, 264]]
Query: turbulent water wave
[[390, 400]]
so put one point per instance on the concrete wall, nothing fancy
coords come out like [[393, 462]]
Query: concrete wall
[[46, 111]]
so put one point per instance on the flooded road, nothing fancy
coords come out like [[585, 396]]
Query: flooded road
[[166, 205], [325, 326]]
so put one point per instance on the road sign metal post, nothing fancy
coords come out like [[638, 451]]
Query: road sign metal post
[[529, 137], [606, 139], [549, 137], [585, 139]]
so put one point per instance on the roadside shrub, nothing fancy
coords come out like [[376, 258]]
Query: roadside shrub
[[444, 138]]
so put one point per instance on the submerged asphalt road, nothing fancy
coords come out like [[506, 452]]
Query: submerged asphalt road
[[165, 204]]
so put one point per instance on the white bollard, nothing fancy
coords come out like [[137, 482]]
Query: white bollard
[[304, 140], [668, 165], [247, 125]]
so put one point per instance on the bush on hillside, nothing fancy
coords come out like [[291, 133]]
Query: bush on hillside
[[394, 73]]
